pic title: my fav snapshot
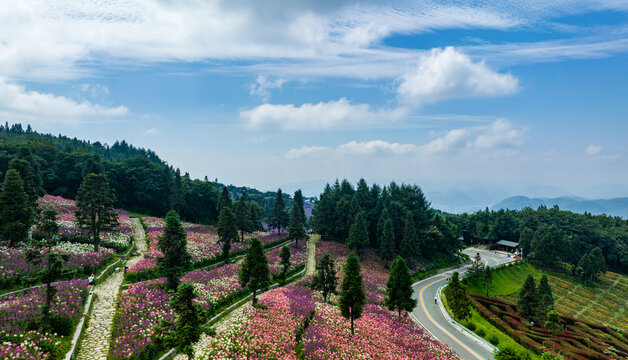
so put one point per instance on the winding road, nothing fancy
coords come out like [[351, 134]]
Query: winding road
[[431, 317]]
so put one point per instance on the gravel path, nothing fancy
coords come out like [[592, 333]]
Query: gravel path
[[310, 267], [95, 345]]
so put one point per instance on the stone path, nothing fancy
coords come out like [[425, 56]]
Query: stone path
[[95, 345], [310, 267]]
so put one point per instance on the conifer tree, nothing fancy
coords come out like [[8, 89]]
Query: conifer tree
[[279, 216], [16, 215], [358, 235], [387, 242], [546, 298], [528, 299], [173, 244], [477, 266], [254, 272], [243, 215], [409, 240], [457, 299], [487, 277], [95, 202], [32, 180], [227, 230], [224, 200], [352, 294], [399, 287], [325, 279], [285, 262], [188, 319], [296, 228]]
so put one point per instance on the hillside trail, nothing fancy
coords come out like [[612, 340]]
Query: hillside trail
[[205, 341], [95, 344]]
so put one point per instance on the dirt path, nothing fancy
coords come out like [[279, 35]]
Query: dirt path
[[310, 267], [95, 344]]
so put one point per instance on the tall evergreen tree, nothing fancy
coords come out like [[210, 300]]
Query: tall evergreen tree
[[477, 266], [254, 272], [399, 287], [487, 277], [358, 236], [279, 217], [243, 216], [352, 294], [16, 215], [188, 319], [223, 200], [178, 195], [408, 243], [227, 230], [285, 262], [28, 174], [387, 242], [457, 298], [173, 244], [546, 298], [296, 228], [528, 299], [325, 279], [95, 202]]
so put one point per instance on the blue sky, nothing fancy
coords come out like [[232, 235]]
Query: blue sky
[[474, 101]]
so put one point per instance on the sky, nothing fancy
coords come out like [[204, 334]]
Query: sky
[[473, 101]]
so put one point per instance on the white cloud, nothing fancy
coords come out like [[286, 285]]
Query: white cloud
[[150, 131], [262, 86], [17, 103], [499, 135], [321, 116], [449, 74], [593, 150]]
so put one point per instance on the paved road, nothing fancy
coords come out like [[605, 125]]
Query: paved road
[[429, 314]]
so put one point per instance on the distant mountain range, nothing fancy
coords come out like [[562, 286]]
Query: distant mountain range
[[613, 207]]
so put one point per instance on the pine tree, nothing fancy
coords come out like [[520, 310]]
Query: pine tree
[[285, 262], [95, 202], [227, 230], [16, 215], [254, 272], [29, 175], [224, 200], [188, 319], [296, 228], [528, 299], [387, 242], [409, 240], [243, 216], [279, 216], [358, 235], [173, 245], [325, 279], [399, 287], [352, 294], [546, 298], [459, 303], [475, 272], [487, 276]]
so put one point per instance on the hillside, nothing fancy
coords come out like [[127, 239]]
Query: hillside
[[612, 207]]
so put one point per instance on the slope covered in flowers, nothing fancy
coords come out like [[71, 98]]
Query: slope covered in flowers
[[295, 321]]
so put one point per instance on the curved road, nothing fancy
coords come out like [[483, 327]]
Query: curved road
[[430, 316]]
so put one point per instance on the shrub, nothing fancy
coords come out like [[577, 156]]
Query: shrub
[[480, 332], [471, 326], [61, 325], [493, 340]]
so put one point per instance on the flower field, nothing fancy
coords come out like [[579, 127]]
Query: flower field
[[579, 340], [20, 313], [272, 330]]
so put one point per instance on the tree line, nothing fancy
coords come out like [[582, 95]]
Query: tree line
[[553, 238], [395, 220]]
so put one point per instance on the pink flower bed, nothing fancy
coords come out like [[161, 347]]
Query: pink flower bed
[[297, 257]]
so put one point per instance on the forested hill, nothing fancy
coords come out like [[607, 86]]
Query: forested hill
[[143, 182], [611, 207]]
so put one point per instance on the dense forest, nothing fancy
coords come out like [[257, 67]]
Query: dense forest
[[395, 219], [551, 237], [142, 181]]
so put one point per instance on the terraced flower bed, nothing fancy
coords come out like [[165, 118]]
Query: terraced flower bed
[[578, 340]]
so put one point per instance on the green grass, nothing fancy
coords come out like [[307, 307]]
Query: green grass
[[134, 214], [490, 331], [506, 281]]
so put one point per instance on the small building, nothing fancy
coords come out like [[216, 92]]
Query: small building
[[508, 246]]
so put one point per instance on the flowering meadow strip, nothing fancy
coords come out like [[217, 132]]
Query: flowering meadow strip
[[81, 260], [297, 257], [30, 346], [267, 332]]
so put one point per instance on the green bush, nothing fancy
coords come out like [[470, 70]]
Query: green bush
[[471, 326], [61, 325], [480, 332], [493, 340]]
